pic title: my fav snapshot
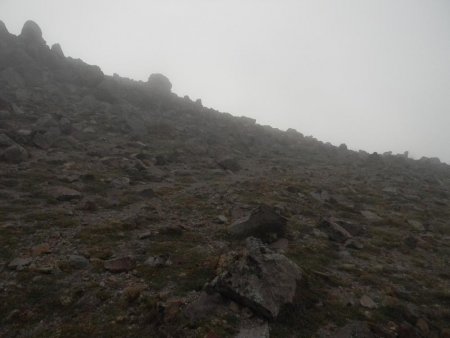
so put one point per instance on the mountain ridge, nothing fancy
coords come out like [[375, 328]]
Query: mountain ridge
[[126, 210]]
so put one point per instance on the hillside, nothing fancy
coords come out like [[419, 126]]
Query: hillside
[[127, 211]]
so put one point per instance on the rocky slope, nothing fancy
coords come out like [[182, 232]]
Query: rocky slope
[[127, 211]]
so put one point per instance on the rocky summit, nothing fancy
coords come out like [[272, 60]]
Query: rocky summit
[[128, 211]]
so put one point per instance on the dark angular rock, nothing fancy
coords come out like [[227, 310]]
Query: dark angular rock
[[5, 141], [262, 222], [15, 154]]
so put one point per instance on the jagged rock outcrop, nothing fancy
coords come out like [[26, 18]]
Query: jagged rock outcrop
[[57, 50], [32, 33], [258, 278]]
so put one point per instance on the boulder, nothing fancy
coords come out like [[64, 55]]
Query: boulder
[[258, 278], [263, 222], [5, 141], [159, 84], [118, 265], [15, 154], [64, 194]]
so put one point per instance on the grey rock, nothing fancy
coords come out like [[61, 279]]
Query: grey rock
[[204, 306], [416, 225], [64, 194], [222, 219], [258, 278], [15, 154], [19, 263], [254, 329], [5, 141], [334, 230], [371, 216], [158, 261], [367, 302], [262, 222], [78, 262]]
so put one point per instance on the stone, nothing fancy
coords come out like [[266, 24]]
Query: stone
[[354, 243], [65, 194], [19, 263], [159, 83], [221, 219], [321, 196], [371, 216], [367, 302], [280, 245], [258, 278], [5, 141], [120, 182], [262, 222], [122, 264], [40, 249], [335, 232], [78, 262], [147, 193], [204, 306], [15, 154], [416, 225], [254, 329], [158, 261], [42, 140]]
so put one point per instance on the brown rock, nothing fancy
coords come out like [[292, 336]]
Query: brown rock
[[367, 302], [64, 194], [118, 265], [40, 249]]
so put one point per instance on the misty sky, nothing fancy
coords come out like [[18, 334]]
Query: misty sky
[[372, 74]]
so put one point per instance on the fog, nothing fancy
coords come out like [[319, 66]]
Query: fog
[[374, 75]]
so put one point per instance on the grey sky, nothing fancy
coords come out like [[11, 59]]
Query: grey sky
[[372, 74]]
